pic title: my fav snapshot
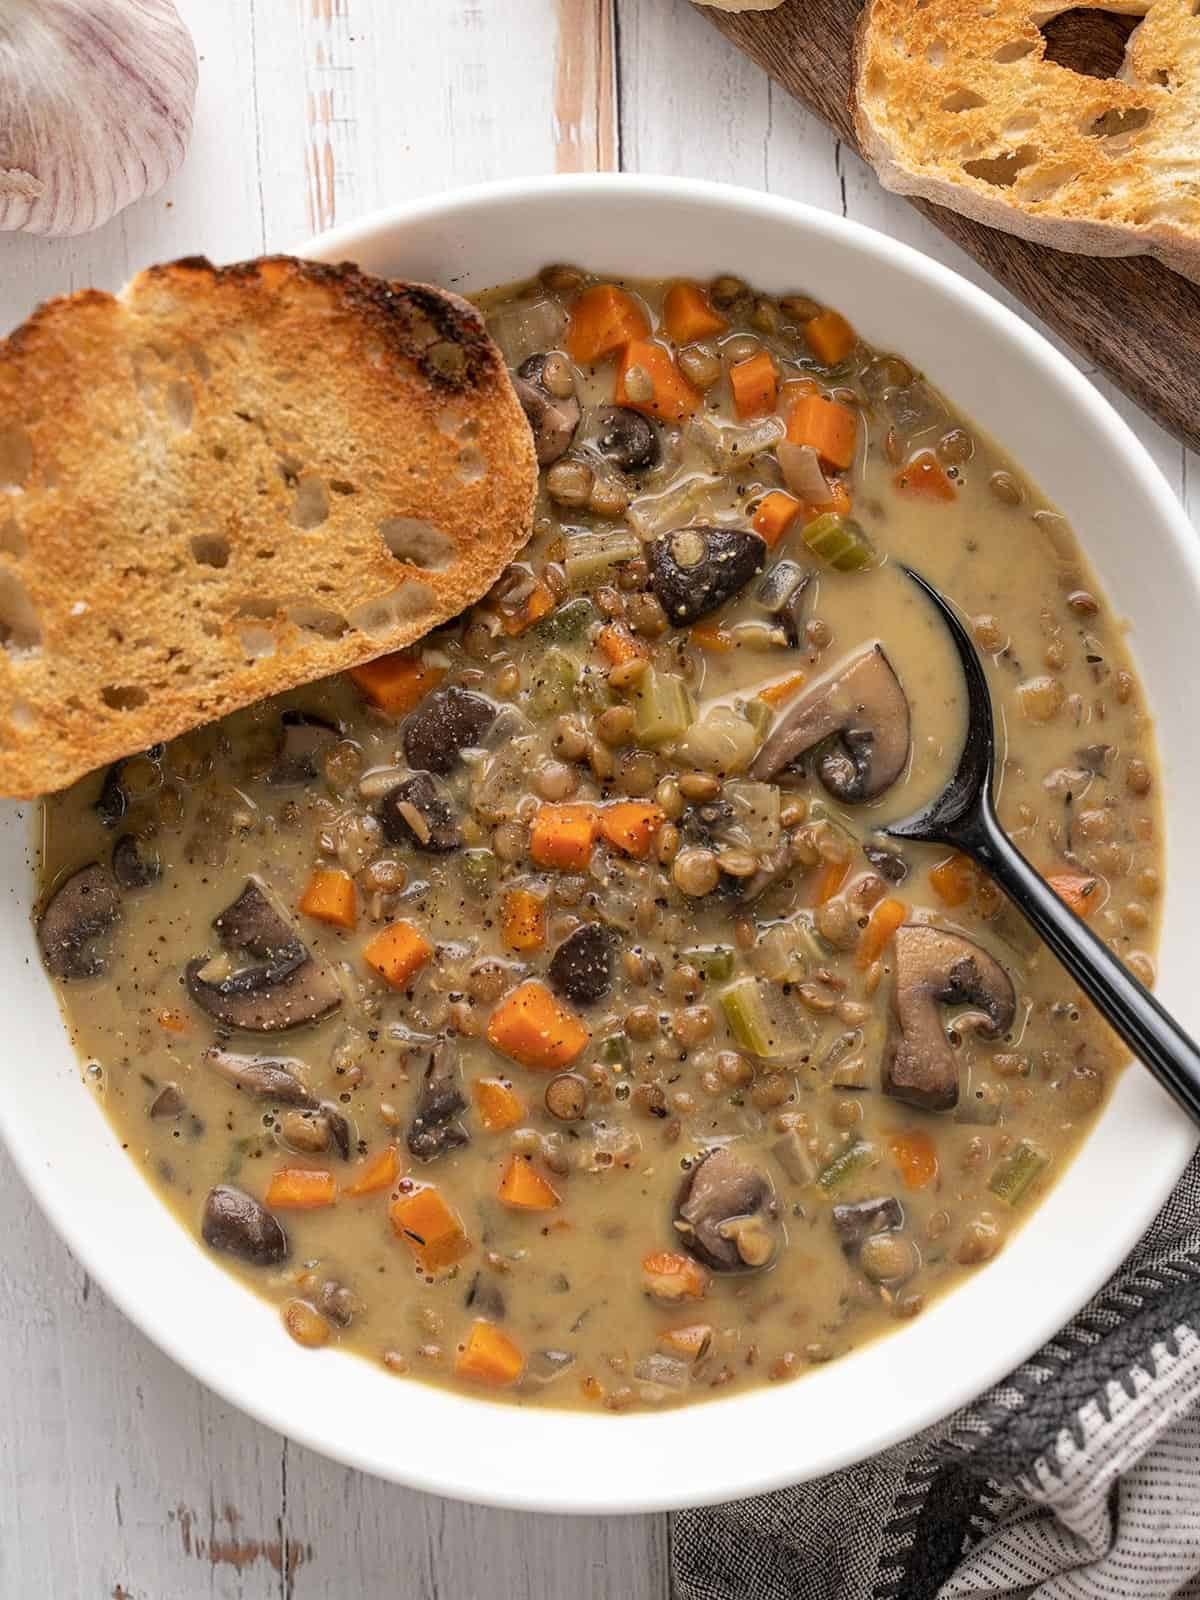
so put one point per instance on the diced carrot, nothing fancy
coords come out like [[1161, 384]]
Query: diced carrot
[[536, 604], [397, 952], [630, 825], [755, 386], [380, 1172], [775, 515], [839, 503], [671, 398], [172, 1021], [916, 1157], [925, 476], [498, 1104], [792, 392], [710, 635], [618, 645], [667, 1275], [691, 1342], [531, 1027], [829, 880], [776, 693], [689, 316], [429, 1228], [952, 879], [330, 897], [562, 836], [524, 919], [1078, 891], [885, 919], [602, 320], [489, 1356], [397, 682], [522, 1187], [829, 427], [301, 1189], [830, 338]]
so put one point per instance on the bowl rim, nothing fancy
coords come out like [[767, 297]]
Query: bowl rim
[[475, 1480]]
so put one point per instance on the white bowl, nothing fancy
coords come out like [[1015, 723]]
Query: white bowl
[[1034, 402]]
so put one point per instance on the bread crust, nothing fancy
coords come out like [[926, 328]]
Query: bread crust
[[1132, 192], [228, 481]]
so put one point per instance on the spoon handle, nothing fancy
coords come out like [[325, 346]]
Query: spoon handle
[[1150, 1031]]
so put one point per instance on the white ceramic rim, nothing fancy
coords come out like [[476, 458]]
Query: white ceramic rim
[[532, 1459]]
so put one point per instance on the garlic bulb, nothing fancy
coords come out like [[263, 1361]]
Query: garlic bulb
[[96, 101]]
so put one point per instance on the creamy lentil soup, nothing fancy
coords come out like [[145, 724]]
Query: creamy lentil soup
[[543, 1010]]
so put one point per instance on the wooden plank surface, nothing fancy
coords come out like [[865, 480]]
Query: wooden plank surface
[[121, 1479], [1131, 317]]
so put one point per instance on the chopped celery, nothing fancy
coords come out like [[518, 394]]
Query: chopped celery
[[783, 952], [715, 961], [1014, 1175], [479, 871], [593, 690], [746, 1014], [854, 1159], [839, 541], [590, 555], [615, 1049], [791, 1152], [756, 811], [566, 625], [553, 687], [663, 708]]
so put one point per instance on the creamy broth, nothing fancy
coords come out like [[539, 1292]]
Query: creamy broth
[[521, 1224]]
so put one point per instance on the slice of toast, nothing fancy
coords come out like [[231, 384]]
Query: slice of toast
[[228, 481], [960, 102]]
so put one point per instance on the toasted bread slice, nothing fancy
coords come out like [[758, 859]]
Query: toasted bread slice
[[228, 481], [958, 102]]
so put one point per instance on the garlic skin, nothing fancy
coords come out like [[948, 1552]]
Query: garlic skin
[[96, 101]]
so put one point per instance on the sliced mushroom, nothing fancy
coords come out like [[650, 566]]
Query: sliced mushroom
[[287, 989], [553, 418], [581, 967], [859, 1219], [303, 739], [81, 909], [265, 1080], [237, 1225], [131, 868], [435, 1127], [628, 439], [414, 813], [168, 1103], [889, 864], [446, 723], [933, 968], [784, 593], [114, 799], [485, 1299], [725, 1214], [695, 570], [859, 714]]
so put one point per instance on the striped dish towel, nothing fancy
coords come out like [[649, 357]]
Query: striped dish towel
[[1077, 1478]]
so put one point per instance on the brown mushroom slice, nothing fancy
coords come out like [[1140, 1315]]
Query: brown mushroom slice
[[934, 968], [859, 712], [435, 1127], [264, 1080], [289, 988], [725, 1214], [81, 909], [553, 419], [236, 1224]]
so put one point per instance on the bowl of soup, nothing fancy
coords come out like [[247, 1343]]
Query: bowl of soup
[[525, 1067]]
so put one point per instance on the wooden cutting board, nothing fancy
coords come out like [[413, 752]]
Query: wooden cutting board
[[1131, 317]]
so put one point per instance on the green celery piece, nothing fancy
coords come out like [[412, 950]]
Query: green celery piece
[[553, 688], [662, 706], [839, 541], [715, 961], [746, 1014], [1013, 1176], [479, 868], [593, 555], [615, 1049], [854, 1159], [567, 624]]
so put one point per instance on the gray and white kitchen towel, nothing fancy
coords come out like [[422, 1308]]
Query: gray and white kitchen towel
[[1078, 1476]]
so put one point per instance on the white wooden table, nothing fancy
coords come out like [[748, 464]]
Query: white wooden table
[[120, 1478]]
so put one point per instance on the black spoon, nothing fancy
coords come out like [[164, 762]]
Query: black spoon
[[963, 816]]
